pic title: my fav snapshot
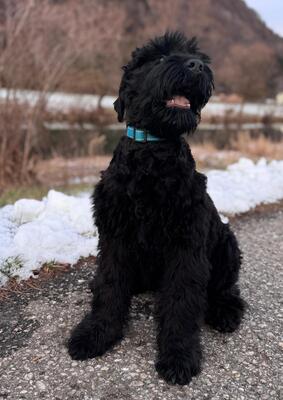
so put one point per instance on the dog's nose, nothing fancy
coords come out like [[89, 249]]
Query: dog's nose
[[196, 66]]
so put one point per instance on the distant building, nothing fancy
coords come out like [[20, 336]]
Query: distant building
[[279, 98]]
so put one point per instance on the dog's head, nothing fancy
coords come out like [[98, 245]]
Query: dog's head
[[164, 86]]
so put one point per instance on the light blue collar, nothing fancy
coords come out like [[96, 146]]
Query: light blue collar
[[141, 136]]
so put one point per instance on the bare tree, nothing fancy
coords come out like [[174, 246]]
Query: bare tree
[[28, 59]]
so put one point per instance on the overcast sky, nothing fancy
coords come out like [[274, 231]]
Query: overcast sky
[[271, 11]]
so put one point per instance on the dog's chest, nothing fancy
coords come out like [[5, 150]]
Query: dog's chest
[[158, 193], [148, 195], [157, 182]]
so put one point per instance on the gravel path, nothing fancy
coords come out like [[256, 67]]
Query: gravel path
[[34, 363]]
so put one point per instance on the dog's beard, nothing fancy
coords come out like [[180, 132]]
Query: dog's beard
[[178, 99], [173, 121]]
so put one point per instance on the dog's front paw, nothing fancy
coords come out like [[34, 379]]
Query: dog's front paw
[[87, 340], [225, 314], [178, 370]]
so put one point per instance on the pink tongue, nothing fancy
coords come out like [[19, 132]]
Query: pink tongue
[[180, 101]]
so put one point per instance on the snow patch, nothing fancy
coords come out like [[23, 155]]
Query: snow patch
[[246, 184], [57, 229], [60, 229]]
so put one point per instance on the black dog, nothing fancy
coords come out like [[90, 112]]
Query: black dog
[[158, 228]]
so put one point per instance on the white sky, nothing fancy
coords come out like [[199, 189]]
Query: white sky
[[271, 11]]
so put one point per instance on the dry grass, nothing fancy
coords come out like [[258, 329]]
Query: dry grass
[[236, 117], [208, 156], [25, 142], [47, 272], [60, 171], [257, 147]]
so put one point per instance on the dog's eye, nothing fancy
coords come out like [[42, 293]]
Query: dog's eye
[[161, 59]]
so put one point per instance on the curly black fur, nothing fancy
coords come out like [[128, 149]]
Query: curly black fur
[[158, 227]]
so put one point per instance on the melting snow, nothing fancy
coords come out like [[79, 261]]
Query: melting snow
[[244, 185], [59, 228]]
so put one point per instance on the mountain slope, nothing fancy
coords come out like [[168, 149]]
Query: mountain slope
[[247, 56], [228, 30]]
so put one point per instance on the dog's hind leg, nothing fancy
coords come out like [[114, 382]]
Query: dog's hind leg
[[225, 307], [180, 309], [103, 326]]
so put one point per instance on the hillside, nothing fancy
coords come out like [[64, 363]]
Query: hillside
[[96, 38], [228, 30]]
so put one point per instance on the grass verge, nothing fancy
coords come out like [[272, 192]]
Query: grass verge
[[37, 192]]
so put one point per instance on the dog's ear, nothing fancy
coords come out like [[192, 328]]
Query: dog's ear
[[119, 103], [119, 107]]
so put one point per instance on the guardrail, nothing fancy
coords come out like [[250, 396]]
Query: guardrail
[[59, 101]]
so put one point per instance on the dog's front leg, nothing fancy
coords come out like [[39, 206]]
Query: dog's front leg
[[179, 311], [103, 326]]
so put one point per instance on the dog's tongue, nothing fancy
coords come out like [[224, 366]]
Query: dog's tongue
[[178, 101]]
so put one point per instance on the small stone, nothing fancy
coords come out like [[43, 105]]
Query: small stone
[[137, 383], [41, 386], [28, 376]]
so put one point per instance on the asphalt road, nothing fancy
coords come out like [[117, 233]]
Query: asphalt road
[[34, 326]]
